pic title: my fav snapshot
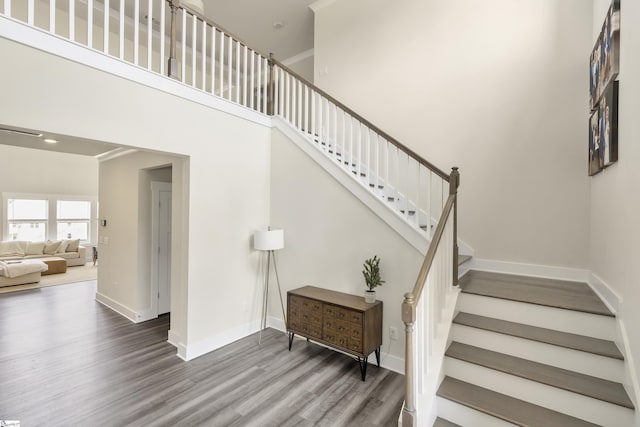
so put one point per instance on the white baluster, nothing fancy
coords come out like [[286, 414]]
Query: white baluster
[[90, 23], [265, 85], [359, 157], [350, 164], [72, 20], [105, 25], [335, 132], [30, 12], [52, 14], [221, 73], [136, 31], [259, 81], [300, 105], [385, 192], [396, 152], [252, 94], [377, 156], [238, 52], [162, 18], [183, 74], [321, 124], [244, 84], [194, 49], [149, 34], [343, 119], [406, 189], [313, 115], [7, 7], [293, 102], [306, 109], [204, 56], [121, 52], [281, 89], [287, 105], [213, 60], [230, 68]]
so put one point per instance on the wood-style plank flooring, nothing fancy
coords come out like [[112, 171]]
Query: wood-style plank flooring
[[65, 360]]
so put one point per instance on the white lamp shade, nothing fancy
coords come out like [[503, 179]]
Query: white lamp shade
[[195, 5], [268, 240]]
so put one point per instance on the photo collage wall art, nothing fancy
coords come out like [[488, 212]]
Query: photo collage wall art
[[604, 66]]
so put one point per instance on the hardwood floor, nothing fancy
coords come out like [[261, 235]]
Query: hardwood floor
[[65, 360]]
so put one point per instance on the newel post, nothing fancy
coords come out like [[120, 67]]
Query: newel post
[[409, 418], [271, 87], [454, 183], [172, 68]]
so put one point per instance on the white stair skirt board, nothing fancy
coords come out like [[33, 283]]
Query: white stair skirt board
[[575, 360], [576, 405], [575, 322], [465, 416]]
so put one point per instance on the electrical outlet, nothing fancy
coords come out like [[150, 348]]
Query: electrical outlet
[[393, 333]]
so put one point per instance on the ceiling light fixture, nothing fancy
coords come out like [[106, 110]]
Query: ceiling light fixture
[[278, 25], [50, 141]]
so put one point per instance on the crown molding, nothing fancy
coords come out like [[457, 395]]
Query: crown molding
[[320, 4]]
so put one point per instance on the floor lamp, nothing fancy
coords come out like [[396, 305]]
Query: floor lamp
[[269, 241]]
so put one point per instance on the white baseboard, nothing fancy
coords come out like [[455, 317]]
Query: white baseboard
[[174, 339], [207, 345], [604, 291], [631, 379], [387, 360], [534, 270], [118, 308]]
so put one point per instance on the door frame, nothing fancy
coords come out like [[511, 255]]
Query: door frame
[[156, 187]]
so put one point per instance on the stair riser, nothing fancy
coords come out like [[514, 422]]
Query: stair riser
[[576, 405], [575, 322], [465, 416], [574, 360]]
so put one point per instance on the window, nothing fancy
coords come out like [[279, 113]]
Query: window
[[73, 219], [27, 219]]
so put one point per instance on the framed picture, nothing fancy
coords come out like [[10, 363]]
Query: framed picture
[[604, 63], [594, 143], [608, 125]]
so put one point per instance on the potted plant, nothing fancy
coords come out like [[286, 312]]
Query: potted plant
[[372, 278]]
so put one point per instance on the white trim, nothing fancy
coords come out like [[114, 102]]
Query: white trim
[[417, 239], [174, 339], [631, 379], [534, 270], [316, 6], [610, 298], [114, 154], [156, 187], [299, 57], [64, 48], [207, 345], [121, 309]]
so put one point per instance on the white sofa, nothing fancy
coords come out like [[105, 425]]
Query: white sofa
[[12, 250]]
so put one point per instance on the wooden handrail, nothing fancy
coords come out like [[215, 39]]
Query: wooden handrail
[[366, 122]]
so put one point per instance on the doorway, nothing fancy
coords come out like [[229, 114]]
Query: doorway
[[161, 247]]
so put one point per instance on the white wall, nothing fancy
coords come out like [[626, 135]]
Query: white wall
[[615, 200], [225, 178], [497, 88], [125, 203], [328, 235], [24, 170]]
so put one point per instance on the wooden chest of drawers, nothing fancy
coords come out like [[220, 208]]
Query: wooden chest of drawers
[[339, 320]]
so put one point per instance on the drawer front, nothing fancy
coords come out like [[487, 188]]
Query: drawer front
[[341, 314], [328, 310], [355, 317], [355, 345], [355, 331], [329, 324], [329, 336], [315, 331], [342, 327], [316, 320], [342, 341]]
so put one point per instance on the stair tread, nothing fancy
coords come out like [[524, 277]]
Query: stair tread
[[441, 422], [463, 258], [563, 294], [586, 385], [548, 336], [505, 407]]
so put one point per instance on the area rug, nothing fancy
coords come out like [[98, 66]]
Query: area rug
[[74, 274]]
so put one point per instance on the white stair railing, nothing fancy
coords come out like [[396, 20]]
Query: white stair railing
[[422, 313]]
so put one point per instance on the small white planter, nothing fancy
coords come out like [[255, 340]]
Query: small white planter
[[370, 297]]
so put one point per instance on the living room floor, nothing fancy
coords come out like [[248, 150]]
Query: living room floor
[[67, 360]]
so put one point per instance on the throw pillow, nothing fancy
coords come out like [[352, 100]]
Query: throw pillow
[[13, 247], [50, 247], [63, 247], [34, 248], [74, 245]]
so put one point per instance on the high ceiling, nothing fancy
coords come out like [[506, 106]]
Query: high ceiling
[[253, 22]]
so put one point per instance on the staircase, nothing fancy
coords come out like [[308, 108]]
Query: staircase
[[532, 352]]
